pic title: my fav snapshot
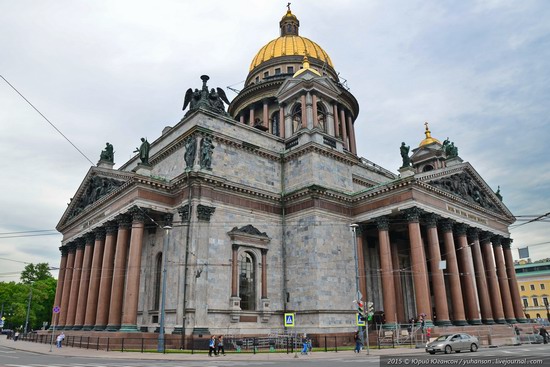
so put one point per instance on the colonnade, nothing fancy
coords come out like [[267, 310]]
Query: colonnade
[[476, 286], [98, 284]]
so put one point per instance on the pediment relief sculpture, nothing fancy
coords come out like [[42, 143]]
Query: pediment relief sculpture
[[464, 186], [97, 188]]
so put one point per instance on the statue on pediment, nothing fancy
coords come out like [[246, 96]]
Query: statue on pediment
[[451, 151], [107, 154], [404, 149], [143, 151]]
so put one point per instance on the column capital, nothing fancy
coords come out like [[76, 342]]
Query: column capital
[[111, 227], [263, 251], [496, 240], [168, 219], [90, 238], [506, 243], [460, 229], [447, 225], [185, 212], [382, 223], [64, 250], [80, 243], [123, 221], [99, 233], [205, 212], [485, 237], [235, 246], [71, 246], [430, 220], [137, 213], [413, 214], [473, 233]]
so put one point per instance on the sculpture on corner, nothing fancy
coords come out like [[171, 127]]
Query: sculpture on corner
[[107, 154], [212, 100], [190, 151], [404, 149], [143, 151], [206, 153], [449, 148]]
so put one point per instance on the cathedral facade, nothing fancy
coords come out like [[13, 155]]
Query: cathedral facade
[[265, 208]]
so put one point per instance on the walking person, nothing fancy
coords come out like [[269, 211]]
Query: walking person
[[212, 346], [220, 345], [358, 342], [16, 335], [59, 339], [544, 334], [304, 345]]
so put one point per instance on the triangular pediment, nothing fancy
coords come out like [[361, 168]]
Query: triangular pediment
[[464, 182], [307, 81], [97, 184]]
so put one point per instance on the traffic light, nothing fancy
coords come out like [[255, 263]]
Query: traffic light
[[360, 307], [370, 310]]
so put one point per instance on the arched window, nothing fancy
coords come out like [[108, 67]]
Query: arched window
[[247, 282], [158, 279], [296, 117], [321, 116], [427, 168], [275, 123]]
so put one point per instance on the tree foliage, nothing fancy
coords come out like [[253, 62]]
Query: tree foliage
[[38, 286]]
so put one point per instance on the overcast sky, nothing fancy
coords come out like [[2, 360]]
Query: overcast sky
[[116, 71]]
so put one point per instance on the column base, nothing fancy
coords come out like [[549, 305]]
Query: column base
[[474, 322], [523, 321], [77, 327], [112, 328], [128, 329], [460, 322], [443, 323], [88, 327], [100, 327], [488, 321], [511, 321], [389, 326], [60, 327], [500, 321]]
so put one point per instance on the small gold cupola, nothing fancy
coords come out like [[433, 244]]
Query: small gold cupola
[[428, 140], [306, 66], [289, 24]]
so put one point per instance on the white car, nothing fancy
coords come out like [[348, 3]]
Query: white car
[[453, 342]]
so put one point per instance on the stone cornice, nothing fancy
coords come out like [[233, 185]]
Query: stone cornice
[[314, 147]]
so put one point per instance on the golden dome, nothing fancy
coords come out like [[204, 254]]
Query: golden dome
[[429, 139], [290, 46]]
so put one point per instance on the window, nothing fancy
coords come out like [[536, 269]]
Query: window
[[257, 79], [542, 286], [321, 116], [247, 282], [536, 302], [296, 117], [545, 300], [522, 288], [158, 278], [290, 69], [532, 287], [427, 168], [266, 74], [525, 302], [275, 123], [277, 71]]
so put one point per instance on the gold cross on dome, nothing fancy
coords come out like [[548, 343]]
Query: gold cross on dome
[[288, 6]]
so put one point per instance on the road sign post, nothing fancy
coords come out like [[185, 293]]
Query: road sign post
[[56, 310]]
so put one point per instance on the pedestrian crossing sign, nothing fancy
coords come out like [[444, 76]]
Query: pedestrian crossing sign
[[289, 320], [359, 321]]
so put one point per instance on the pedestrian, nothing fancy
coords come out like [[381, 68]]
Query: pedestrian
[[59, 339], [16, 336], [304, 345], [516, 329], [544, 334], [220, 345], [309, 345], [212, 346], [358, 342]]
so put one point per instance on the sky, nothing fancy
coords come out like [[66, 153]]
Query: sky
[[116, 70]]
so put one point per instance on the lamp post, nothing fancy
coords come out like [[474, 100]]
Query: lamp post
[[354, 227], [28, 311], [547, 310], [160, 346]]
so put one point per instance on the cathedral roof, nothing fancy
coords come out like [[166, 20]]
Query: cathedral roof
[[290, 43]]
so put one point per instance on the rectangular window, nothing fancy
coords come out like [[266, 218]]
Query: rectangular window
[[532, 287], [266, 74], [290, 69], [522, 288], [525, 303], [536, 302], [545, 300], [542, 286], [277, 71]]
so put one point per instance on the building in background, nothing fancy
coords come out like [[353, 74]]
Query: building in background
[[256, 206], [534, 288]]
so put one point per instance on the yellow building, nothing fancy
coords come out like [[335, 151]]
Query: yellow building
[[534, 285]]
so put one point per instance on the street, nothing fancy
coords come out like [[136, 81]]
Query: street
[[533, 355]]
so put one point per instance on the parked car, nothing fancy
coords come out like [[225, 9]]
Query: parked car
[[6, 331], [453, 342]]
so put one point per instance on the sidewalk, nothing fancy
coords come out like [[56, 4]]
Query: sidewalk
[[232, 356]]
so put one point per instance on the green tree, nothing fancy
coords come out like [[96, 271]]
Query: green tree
[[32, 273]]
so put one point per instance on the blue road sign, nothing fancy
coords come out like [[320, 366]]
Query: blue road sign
[[289, 320], [56, 309], [359, 321]]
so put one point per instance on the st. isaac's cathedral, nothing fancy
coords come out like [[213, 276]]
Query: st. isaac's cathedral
[[263, 207]]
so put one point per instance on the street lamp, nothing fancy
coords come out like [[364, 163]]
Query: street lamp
[[28, 311], [547, 310], [354, 227], [160, 346]]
